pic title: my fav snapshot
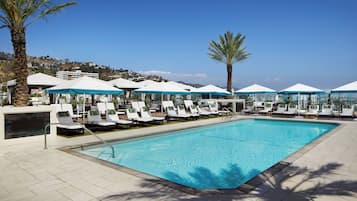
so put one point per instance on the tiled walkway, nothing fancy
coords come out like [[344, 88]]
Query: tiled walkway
[[27, 172]]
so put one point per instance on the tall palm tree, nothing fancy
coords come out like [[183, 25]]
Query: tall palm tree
[[17, 15], [229, 49]]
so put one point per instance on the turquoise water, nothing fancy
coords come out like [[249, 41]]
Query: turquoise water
[[218, 156]]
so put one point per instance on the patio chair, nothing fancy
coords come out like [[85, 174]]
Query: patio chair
[[95, 119], [102, 108], [65, 122], [292, 110], [145, 113], [347, 111], [69, 108], [326, 110], [134, 116], [281, 109], [112, 116], [268, 107], [182, 111], [172, 113], [313, 110], [191, 107]]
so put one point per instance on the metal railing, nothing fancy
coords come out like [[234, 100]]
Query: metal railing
[[100, 139]]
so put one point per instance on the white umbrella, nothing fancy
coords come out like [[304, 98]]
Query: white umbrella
[[300, 89], [125, 84], [347, 88], [211, 90], [255, 89], [84, 85]]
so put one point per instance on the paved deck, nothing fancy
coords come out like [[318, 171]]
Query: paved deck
[[328, 171]]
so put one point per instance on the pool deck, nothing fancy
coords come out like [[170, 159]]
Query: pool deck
[[325, 171]]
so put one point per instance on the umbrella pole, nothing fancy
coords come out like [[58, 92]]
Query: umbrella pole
[[84, 106], [162, 99]]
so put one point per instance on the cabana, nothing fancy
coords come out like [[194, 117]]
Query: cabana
[[256, 89], [38, 81], [126, 85], [162, 88], [300, 89], [350, 91]]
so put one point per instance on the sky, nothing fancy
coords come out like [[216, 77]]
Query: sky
[[307, 41]]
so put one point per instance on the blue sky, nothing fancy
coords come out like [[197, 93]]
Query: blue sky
[[308, 41]]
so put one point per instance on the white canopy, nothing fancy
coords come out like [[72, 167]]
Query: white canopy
[[255, 89], [162, 88], [300, 89], [184, 86], [84, 85], [146, 83], [347, 88], [211, 89], [125, 84], [39, 79]]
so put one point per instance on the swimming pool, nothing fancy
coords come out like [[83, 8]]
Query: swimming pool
[[220, 156]]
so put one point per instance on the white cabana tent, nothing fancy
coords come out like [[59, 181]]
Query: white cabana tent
[[347, 88], [125, 84], [39, 79], [211, 90], [184, 86], [146, 83], [255, 89], [162, 88], [300, 89]]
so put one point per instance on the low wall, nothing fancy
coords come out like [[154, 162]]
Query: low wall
[[18, 122]]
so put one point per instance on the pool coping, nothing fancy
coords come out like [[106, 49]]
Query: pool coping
[[245, 188]]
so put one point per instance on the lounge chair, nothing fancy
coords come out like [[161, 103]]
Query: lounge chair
[[268, 107], [326, 110], [134, 116], [292, 110], [281, 109], [213, 108], [313, 110], [182, 112], [69, 109], [249, 108], [112, 116], [191, 107], [172, 113], [145, 113], [65, 123], [102, 108], [347, 111], [95, 119], [336, 111]]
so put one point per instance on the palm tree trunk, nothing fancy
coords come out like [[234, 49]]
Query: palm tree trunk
[[18, 39], [229, 77]]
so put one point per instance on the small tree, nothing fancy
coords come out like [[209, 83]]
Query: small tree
[[229, 49]]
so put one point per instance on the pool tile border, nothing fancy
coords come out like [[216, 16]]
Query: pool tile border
[[245, 188]]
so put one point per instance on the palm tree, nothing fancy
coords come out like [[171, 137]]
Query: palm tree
[[17, 15], [229, 49]]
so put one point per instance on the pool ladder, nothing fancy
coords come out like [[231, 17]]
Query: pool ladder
[[101, 140]]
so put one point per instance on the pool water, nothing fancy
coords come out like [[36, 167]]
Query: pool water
[[219, 156]]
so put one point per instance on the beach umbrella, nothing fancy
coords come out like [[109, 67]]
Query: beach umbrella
[[300, 89], [211, 90], [146, 83], [85, 86], [125, 84], [255, 89], [162, 88]]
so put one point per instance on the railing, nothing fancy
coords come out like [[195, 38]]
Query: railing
[[102, 140]]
